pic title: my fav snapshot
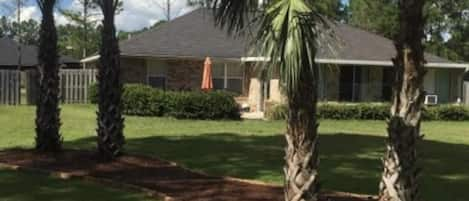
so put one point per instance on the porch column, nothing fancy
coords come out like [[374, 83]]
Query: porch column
[[261, 101], [262, 91], [466, 92]]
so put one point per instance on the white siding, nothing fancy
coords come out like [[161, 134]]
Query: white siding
[[429, 82]]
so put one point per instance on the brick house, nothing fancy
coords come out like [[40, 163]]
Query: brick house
[[358, 70]]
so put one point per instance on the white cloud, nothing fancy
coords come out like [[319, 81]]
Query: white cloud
[[27, 13], [32, 12], [136, 15], [60, 19], [143, 13]]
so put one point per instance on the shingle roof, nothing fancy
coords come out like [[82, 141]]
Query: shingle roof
[[9, 54], [194, 35], [356, 44]]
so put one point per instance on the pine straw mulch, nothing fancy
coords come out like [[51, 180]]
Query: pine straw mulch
[[162, 179]]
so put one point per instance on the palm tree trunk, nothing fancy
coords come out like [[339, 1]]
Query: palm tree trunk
[[400, 177], [110, 120], [48, 138], [301, 175]]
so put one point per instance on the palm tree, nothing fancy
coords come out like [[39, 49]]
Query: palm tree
[[48, 138], [400, 177], [288, 34], [110, 121]]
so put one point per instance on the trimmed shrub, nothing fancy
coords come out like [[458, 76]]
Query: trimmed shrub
[[429, 113], [200, 105], [93, 93], [353, 111], [450, 113], [374, 112], [278, 112], [136, 100], [143, 100]]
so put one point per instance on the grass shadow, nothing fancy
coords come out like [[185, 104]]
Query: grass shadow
[[31, 187], [349, 162]]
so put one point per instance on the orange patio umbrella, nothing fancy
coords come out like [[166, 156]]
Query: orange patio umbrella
[[207, 84]]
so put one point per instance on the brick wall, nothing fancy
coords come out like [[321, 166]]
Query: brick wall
[[133, 70], [184, 74], [181, 74]]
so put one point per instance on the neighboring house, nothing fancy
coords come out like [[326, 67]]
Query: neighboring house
[[359, 70], [9, 56]]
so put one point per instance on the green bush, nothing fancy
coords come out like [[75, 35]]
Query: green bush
[[278, 112], [374, 112], [136, 100], [142, 100], [200, 105], [450, 113], [353, 111], [430, 113], [93, 93]]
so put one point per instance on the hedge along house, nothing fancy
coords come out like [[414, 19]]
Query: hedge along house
[[359, 70]]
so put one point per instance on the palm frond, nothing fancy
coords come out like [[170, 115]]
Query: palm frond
[[289, 34], [233, 14]]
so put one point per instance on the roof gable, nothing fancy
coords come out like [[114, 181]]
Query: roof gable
[[191, 35]]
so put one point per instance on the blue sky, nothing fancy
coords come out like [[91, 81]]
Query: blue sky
[[136, 15]]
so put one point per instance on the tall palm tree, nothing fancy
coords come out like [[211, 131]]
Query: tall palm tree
[[110, 121], [400, 177], [48, 138], [288, 34]]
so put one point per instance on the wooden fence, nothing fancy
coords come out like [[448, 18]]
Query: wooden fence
[[74, 85], [32, 86], [10, 89]]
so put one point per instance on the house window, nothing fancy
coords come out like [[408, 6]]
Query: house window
[[218, 73], [157, 73], [228, 77], [157, 81]]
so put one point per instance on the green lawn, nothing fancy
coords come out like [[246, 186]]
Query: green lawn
[[16, 186], [350, 150]]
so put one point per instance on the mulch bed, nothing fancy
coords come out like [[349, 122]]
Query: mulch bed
[[162, 179]]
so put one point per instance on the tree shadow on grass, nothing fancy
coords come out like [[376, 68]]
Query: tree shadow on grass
[[19, 186], [349, 162]]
